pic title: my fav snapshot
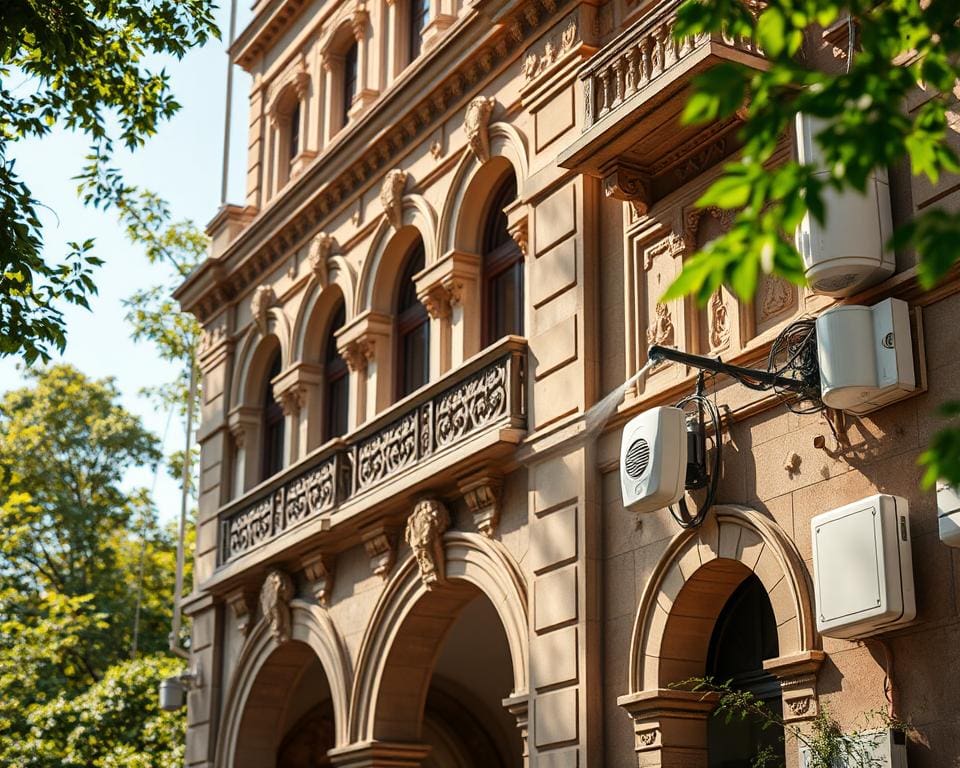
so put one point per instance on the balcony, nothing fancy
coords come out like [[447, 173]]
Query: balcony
[[473, 415], [634, 91]]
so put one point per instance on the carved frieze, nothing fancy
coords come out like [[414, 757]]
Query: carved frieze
[[471, 405], [391, 196], [475, 122], [535, 63], [424, 533], [275, 596]]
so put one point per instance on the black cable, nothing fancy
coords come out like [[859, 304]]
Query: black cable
[[703, 403]]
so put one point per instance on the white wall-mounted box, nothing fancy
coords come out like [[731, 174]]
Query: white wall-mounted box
[[876, 749], [863, 567], [653, 459], [865, 356], [948, 513]]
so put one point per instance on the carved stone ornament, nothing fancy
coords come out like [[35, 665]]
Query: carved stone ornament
[[319, 571], [671, 245], [358, 353], [243, 603], [380, 544], [437, 301], [359, 21], [800, 707], [630, 186], [391, 196], [275, 596], [482, 495], [263, 299], [719, 319], [424, 534], [292, 399], [775, 296], [661, 332], [646, 738], [692, 221], [321, 248], [519, 231], [475, 122]]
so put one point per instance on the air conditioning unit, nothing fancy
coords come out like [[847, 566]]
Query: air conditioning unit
[[876, 749], [948, 513], [865, 356], [863, 567], [653, 459], [849, 252]]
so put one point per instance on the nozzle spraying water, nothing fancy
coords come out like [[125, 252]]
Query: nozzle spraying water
[[600, 413]]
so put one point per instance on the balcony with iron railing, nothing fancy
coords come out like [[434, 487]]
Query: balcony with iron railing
[[634, 92], [472, 416]]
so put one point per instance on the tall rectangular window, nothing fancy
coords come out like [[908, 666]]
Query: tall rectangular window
[[349, 81], [419, 16]]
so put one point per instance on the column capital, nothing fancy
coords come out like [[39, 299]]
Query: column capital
[[357, 340], [442, 283], [291, 386], [241, 420], [798, 683]]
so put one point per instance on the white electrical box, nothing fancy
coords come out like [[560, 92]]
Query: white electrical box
[[863, 567], [848, 253], [865, 356], [877, 749], [653, 459], [948, 513]]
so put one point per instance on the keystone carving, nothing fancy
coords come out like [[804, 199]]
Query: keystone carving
[[321, 248], [275, 596], [319, 571], [391, 196], [424, 534], [630, 186], [475, 123], [263, 299], [482, 495]]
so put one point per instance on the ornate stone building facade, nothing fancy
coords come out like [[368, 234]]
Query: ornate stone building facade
[[459, 220]]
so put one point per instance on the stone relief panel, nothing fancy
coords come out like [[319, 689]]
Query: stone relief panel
[[275, 596]]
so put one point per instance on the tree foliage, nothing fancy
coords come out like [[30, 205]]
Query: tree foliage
[[84, 65], [70, 591], [900, 48]]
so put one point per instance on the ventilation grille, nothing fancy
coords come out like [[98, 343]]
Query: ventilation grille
[[637, 458]]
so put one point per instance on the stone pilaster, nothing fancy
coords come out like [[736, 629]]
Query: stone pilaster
[[450, 290], [365, 343]]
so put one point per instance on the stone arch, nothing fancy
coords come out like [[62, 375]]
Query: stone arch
[[388, 249], [315, 309], [674, 621], [340, 33], [460, 223], [313, 634], [253, 357], [386, 704]]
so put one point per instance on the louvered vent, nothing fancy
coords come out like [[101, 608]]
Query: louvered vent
[[637, 458]]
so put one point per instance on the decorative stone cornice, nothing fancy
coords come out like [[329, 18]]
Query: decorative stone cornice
[[424, 533], [318, 568], [482, 495], [275, 596], [334, 177]]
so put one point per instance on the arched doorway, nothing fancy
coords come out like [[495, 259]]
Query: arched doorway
[[439, 660], [288, 720]]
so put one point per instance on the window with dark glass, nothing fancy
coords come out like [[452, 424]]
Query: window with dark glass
[[294, 148], [413, 328], [272, 425], [419, 15], [744, 635], [335, 381], [349, 81], [502, 270]]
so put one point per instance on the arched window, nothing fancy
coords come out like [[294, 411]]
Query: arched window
[[335, 394], [419, 16], [272, 459], [502, 270], [293, 142], [349, 82], [745, 634], [413, 328]]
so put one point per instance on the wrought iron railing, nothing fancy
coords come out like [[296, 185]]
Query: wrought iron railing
[[484, 393]]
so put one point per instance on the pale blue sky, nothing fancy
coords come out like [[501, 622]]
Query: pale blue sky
[[183, 164]]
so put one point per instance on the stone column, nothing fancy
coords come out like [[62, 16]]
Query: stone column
[[365, 95], [298, 390], [244, 422], [366, 344]]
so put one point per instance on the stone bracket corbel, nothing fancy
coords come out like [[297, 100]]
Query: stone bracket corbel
[[481, 492], [319, 570], [629, 184], [380, 543], [518, 224], [291, 387], [243, 603]]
